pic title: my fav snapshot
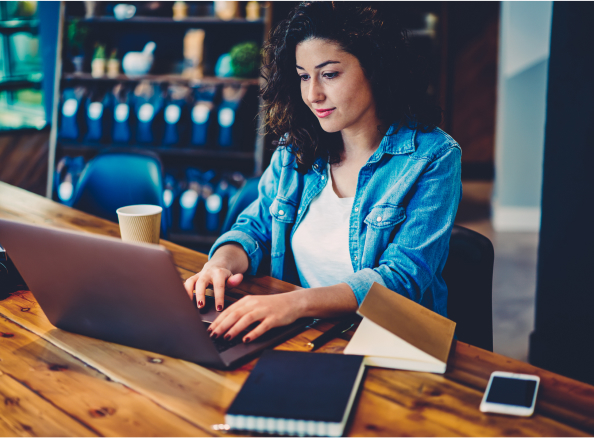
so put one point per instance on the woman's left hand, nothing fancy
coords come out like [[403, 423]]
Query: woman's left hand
[[270, 310]]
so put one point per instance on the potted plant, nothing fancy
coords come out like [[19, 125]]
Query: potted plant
[[113, 64], [76, 35], [99, 61], [245, 59]]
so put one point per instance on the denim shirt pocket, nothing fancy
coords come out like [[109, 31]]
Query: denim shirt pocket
[[381, 222], [283, 211], [283, 214]]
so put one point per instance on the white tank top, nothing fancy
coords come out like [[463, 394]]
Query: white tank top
[[321, 242]]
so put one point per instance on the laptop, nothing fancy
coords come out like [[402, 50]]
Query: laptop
[[127, 293]]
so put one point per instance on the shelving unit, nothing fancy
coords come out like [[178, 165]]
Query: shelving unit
[[123, 34], [161, 150], [171, 78], [13, 26], [20, 70], [168, 20]]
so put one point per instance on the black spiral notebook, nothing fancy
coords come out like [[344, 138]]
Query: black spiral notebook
[[296, 393]]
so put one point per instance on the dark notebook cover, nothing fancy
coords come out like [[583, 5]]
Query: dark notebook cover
[[300, 386]]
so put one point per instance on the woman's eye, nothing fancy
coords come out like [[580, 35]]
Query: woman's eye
[[304, 77], [330, 75]]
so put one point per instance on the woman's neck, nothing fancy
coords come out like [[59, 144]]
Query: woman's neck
[[360, 143]]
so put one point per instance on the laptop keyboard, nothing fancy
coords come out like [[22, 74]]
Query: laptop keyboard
[[220, 343]]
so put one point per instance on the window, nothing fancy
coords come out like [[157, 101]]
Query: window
[[21, 98]]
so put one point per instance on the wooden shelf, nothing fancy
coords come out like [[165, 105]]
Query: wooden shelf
[[189, 151], [208, 80], [13, 26], [18, 83], [168, 20]]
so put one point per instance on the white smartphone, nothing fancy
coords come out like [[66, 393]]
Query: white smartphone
[[511, 394]]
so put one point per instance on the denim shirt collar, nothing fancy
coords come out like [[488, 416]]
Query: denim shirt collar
[[400, 143]]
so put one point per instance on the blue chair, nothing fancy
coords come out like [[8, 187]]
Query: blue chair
[[244, 197], [115, 179]]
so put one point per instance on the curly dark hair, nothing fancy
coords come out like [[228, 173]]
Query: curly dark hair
[[371, 32]]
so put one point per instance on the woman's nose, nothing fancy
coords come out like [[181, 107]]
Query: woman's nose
[[316, 93]]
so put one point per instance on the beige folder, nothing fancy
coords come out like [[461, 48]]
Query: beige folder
[[399, 333]]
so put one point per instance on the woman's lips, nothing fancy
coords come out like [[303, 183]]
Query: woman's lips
[[321, 113]]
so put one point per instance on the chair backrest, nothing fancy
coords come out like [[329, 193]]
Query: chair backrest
[[468, 274], [115, 179], [244, 197]]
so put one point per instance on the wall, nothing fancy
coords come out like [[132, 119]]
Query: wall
[[471, 47], [524, 41], [564, 327]]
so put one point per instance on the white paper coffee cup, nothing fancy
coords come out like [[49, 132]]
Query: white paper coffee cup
[[140, 223]]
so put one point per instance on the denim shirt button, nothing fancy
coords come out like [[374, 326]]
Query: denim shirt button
[[299, 211], [355, 257], [281, 213], [323, 177], [356, 209], [379, 218]]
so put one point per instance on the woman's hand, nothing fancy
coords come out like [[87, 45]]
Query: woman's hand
[[282, 309], [269, 310], [219, 277], [224, 269]]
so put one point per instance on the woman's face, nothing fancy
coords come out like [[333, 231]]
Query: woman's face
[[334, 86]]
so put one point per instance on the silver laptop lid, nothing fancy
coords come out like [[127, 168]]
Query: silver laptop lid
[[98, 286]]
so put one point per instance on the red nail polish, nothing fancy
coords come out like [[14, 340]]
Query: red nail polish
[[219, 307], [213, 335], [227, 337], [200, 304], [246, 340]]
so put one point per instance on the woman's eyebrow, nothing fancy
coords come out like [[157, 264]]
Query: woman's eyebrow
[[323, 64]]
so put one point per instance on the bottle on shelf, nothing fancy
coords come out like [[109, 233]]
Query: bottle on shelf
[[176, 117], [201, 115], [72, 113], [229, 123], [123, 118], [148, 109], [68, 171], [97, 116]]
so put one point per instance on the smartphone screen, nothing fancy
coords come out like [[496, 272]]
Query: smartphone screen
[[510, 391]]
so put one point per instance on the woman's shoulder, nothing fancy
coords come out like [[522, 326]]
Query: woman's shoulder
[[432, 144], [423, 144], [283, 157]]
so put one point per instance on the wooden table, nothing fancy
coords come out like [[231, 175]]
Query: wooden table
[[56, 383]]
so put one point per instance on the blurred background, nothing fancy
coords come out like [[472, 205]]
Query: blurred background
[[180, 79]]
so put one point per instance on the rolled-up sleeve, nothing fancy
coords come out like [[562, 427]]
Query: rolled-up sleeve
[[418, 250], [252, 230]]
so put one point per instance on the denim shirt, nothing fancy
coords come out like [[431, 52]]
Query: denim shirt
[[403, 212]]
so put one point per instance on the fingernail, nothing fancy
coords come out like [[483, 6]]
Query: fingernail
[[227, 337], [246, 340], [219, 307], [213, 335], [200, 304]]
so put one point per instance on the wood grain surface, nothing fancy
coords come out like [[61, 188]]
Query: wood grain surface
[[53, 382]]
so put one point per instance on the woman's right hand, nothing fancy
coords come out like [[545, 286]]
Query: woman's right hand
[[218, 272]]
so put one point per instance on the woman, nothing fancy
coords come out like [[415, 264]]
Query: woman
[[363, 187]]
